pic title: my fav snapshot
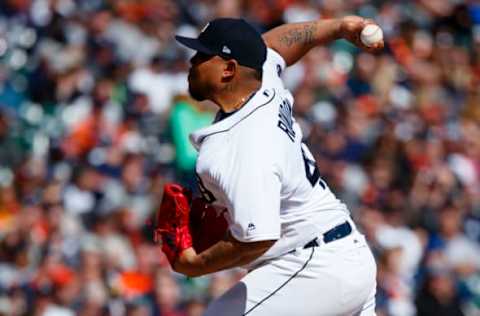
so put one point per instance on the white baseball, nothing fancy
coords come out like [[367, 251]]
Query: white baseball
[[371, 34]]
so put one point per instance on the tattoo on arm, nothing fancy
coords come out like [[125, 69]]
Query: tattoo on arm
[[292, 41], [302, 34]]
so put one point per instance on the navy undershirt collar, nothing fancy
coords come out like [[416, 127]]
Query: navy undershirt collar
[[222, 114]]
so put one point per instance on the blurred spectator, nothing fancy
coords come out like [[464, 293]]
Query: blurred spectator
[[438, 296], [185, 118]]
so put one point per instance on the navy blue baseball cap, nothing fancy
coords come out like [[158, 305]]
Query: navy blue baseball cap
[[230, 39]]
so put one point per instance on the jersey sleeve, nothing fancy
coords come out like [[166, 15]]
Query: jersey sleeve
[[253, 193], [273, 68]]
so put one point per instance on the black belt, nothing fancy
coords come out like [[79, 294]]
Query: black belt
[[337, 232]]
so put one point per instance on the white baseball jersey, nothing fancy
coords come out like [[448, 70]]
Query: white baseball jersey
[[253, 162]]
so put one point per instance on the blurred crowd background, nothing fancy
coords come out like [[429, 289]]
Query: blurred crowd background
[[94, 118]]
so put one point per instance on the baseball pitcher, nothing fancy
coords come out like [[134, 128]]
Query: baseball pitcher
[[264, 205]]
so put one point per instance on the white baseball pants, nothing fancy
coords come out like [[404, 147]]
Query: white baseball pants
[[337, 278]]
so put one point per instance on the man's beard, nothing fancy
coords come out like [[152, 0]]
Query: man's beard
[[196, 93]]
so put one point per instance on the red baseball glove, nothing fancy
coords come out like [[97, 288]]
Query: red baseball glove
[[172, 221], [207, 225]]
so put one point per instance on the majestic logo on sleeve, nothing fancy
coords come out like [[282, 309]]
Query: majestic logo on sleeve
[[285, 122], [251, 228]]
